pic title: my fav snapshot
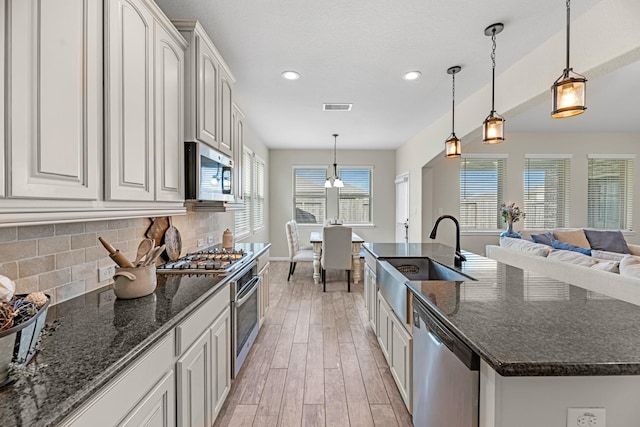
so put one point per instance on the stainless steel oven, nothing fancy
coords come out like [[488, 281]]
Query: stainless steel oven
[[244, 313]]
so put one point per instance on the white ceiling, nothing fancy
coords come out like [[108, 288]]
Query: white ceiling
[[356, 51]]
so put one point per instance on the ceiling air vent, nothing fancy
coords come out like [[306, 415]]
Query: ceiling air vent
[[337, 107]]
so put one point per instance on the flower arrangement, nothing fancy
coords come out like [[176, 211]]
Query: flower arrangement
[[511, 213]]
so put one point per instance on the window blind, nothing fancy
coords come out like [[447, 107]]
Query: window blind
[[354, 199], [481, 192], [309, 195], [610, 193], [258, 194], [547, 192], [243, 216]]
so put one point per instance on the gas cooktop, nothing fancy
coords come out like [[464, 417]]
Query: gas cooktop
[[208, 261]]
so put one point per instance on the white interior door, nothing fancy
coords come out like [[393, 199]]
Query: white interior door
[[402, 207]]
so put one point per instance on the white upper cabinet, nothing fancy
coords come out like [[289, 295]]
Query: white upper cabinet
[[238, 147], [208, 90], [54, 98], [128, 107], [2, 94], [169, 133], [226, 121]]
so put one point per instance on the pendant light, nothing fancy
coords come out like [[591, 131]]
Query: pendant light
[[452, 144], [493, 125], [570, 89], [334, 180]]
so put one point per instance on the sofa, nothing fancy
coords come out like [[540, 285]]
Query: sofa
[[577, 256]]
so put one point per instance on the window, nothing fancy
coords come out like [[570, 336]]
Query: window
[[354, 199], [243, 216], [309, 195], [257, 200], [546, 191], [610, 192], [481, 191]]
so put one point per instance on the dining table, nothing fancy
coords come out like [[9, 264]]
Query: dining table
[[356, 244]]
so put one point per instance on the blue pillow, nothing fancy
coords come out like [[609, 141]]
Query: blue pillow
[[557, 244], [544, 238], [611, 241]]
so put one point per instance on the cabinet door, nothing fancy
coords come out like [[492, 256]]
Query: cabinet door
[[157, 408], [207, 94], [226, 122], [128, 107], [194, 384], [220, 360], [401, 360], [384, 326], [169, 101], [55, 98], [373, 290], [2, 94]]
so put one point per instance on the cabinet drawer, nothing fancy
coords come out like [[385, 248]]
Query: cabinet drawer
[[190, 329], [117, 398], [263, 260]]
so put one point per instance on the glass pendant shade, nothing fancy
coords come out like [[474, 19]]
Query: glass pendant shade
[[493, 129], [452, 146], [569, 96]]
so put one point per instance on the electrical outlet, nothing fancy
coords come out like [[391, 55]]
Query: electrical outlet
[[200, 243], [106, 273], [210, 240], [586, 417]]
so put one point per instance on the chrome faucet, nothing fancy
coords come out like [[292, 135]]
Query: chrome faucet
[[458, 257]]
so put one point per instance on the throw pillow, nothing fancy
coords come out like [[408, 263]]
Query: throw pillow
[[610, 266], [612, 241], [544, 238], [634, 249], [572, 258], [610, 256], [525, 246], [575, 237], [630, 266], [569, 247]]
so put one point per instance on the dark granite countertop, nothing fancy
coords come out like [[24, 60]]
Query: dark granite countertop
[[525, 324], [92, 338]]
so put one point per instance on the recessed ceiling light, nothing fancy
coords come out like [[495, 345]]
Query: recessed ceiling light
[[290, 75], [412, 75]]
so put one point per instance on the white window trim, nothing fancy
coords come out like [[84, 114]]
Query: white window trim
[[485, 156], [611, 156], [548, 156], [361, 167]]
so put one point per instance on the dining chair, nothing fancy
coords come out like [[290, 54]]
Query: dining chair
[[297, 253], [336, 252]]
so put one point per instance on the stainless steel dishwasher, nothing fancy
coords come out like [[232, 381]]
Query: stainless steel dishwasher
[[445, 374]]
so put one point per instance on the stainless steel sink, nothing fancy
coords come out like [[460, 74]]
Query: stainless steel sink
[[426, 269]]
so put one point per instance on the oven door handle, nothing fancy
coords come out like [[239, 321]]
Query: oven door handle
[[253, 288]]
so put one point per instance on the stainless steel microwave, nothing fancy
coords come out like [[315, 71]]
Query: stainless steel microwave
[[207, 173]]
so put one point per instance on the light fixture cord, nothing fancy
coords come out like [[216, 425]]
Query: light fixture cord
[[493, 71], [453, 103], [335, 163], [568, 34]]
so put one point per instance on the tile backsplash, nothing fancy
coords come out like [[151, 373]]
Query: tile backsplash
[[62, 260]]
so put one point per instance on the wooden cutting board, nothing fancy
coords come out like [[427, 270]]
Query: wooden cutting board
[[157, 229], [173, 242]]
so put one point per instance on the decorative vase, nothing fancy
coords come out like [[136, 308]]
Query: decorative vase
[[509, 232]]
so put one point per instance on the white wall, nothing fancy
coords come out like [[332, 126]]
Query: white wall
[[252, 142], [281, 164], [594, 53], [441, 192]]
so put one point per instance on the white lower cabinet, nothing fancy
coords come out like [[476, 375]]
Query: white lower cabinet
[[220, 335], [194, 384], [158, 408], [370, 294], [263, 296], [397, 346], [142, 395]]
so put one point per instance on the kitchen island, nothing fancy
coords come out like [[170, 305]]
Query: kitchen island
[[544, 345], [93, 338]]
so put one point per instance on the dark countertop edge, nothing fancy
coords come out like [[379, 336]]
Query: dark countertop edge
[[82, 396]]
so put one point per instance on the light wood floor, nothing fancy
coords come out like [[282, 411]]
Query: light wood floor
[[316, 361]]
